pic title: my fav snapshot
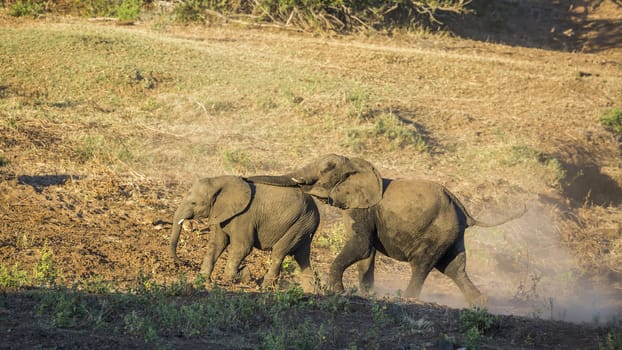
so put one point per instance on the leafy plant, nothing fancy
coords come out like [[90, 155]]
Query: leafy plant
[[138, 325], [44, 272], [288, 298], [613, 341], [26, 8], [96, 285], [474, 323], [289, 265], [302, 336], [128, 10], [378, 310], [123, 9], [13, 277], [66, 308], [333, 238], [612, 120]]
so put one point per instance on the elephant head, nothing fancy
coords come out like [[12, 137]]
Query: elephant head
[[218, 199], [343, 182]]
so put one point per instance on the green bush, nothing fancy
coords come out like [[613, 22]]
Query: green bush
[[474, 323], [26, 8], [44, 273], [13, 278], [128, 10], [612, 120], [122, 9]]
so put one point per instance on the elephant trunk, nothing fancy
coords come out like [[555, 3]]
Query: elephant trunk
[[181, 214]]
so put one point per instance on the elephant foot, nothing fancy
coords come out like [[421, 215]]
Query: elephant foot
[[269, 283], [335, 288], [366, 287], [244, 276], [241, 276], [478, 300], [309, 281]]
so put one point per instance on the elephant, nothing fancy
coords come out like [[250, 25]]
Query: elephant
[[412, 220], [244, 215]]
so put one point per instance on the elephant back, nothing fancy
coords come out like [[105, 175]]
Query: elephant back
[[284, 204]]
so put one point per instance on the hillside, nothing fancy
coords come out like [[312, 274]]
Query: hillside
[[104, 127]]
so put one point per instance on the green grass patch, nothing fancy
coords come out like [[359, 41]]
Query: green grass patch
[[612, 120], [507, 155], [387, 132]]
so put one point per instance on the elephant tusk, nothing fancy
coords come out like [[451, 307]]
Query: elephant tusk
[[180, 222], [298, 181]]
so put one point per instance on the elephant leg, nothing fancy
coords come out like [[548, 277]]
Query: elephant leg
[[238, 250], [366, 272], [302, 255], [453, 265], [270, 278], [419, 272], [215, 247], [357, 248], [281, 248]]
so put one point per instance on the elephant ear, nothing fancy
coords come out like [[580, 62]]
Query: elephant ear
[[231, 197], [360, 186]]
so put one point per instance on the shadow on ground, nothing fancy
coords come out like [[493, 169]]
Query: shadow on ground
[[585, 26], [38, 182]]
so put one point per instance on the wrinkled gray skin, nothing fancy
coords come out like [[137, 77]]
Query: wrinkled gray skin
[[244, 215], [417, 221]]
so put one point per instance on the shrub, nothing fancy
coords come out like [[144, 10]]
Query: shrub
[[612, 120], [44, 273], [13, 278], [474, 323], [128, 10], [26, 8]]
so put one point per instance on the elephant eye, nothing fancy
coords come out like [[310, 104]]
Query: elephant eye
[[330, 166]]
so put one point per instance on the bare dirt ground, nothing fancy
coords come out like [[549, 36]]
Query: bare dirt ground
[[105, 224]]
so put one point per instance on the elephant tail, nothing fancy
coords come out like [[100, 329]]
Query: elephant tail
[[471, 221], [474, 222]]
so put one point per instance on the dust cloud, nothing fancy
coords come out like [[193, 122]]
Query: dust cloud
[[522, 267]]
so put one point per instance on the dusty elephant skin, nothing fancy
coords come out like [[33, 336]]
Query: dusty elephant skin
[[417, 221], [243, 215]]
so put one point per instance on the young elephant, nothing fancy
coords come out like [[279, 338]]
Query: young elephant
[[244, 215], [417, 221]]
